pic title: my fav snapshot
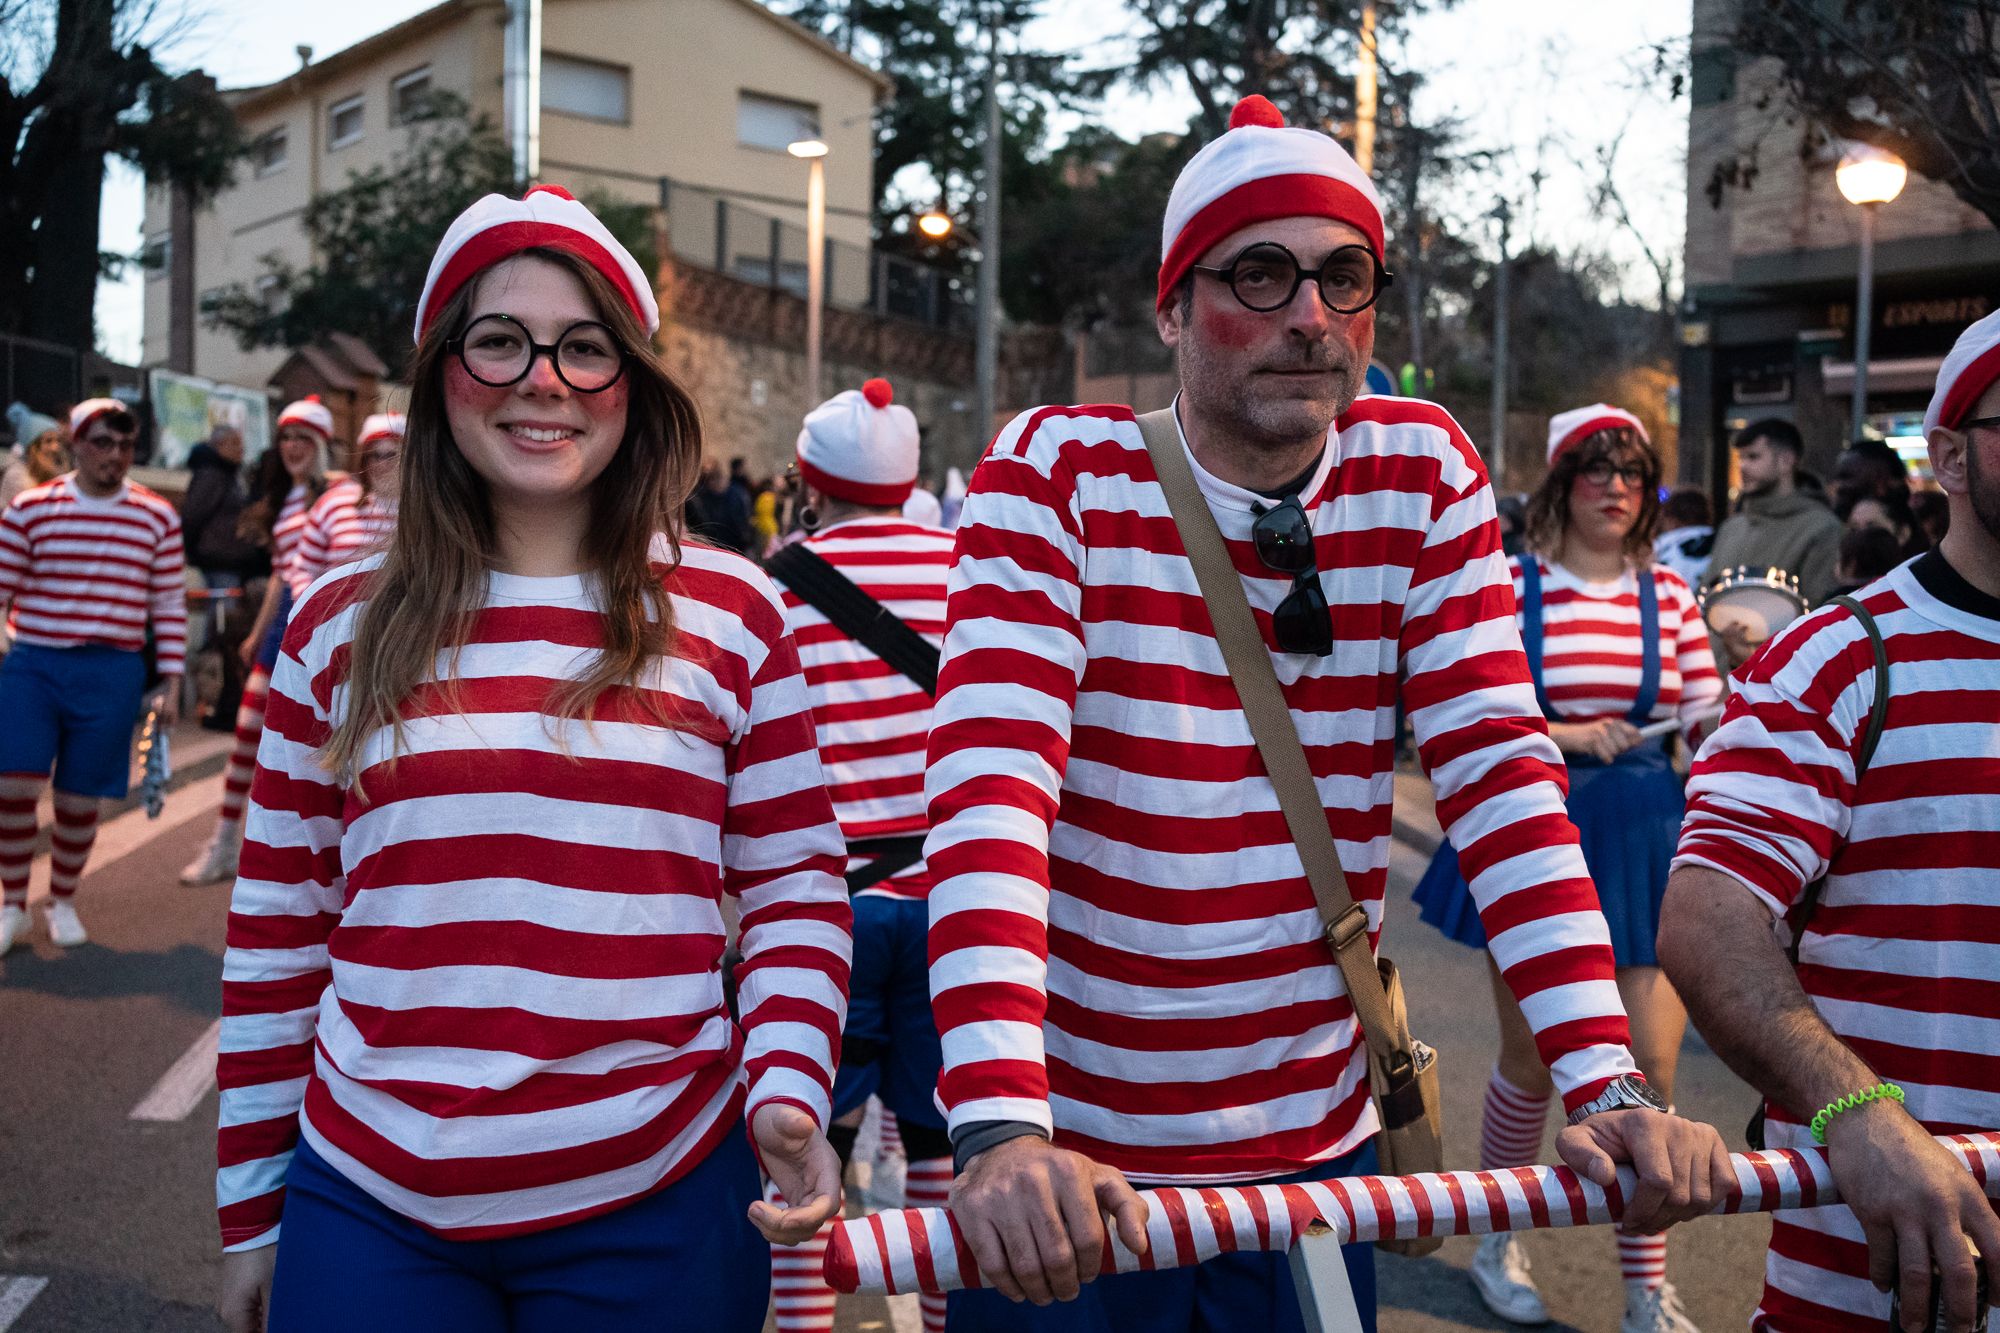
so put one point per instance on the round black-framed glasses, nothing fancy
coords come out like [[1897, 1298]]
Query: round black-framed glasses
[[1266, 276], [498, 351]]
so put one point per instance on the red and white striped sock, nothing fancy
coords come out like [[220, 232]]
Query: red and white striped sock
[[892, 1135], [17, 835], [1643, 1261], [243, 758], [800, 1299], [70, 843], [928, 1186], [1510, 1134]]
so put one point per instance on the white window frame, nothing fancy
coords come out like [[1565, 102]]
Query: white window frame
[[281, 135], [810, 116], [421, 74], [335, 110], [624, 73]]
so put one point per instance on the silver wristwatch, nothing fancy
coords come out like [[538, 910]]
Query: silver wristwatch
[[1627, 1091]]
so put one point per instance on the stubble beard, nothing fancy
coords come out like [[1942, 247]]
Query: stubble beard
[[1984, 489], [1265, 423]]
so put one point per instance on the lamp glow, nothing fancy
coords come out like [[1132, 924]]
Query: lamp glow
[[807, 148], [934, 224], [1870, 175]]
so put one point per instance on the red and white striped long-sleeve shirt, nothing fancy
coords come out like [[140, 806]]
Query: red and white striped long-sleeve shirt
[[1592, 653], [76, 569], [874, 721], [1124, 944], [1901, 954], [342, 525], [289, 528], [489, 993]]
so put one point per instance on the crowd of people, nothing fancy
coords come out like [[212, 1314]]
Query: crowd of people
[[593, 877]]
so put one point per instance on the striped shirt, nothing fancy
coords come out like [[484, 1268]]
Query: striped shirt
[[80, 570], [289, 528], [1592, 653], [341, 525], [1900, 956], [1124, 946], [489, 995], [873, 721]]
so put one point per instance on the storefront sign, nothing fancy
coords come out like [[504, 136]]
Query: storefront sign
[[186, 408]]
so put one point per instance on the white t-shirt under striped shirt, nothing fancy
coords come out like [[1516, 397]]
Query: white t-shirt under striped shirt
[[1124, 944], [874, 721], [1593, 656], [1902, 953], [76, 569], [488, 994]]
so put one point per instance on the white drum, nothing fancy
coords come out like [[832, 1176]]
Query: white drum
[[1756, 603]]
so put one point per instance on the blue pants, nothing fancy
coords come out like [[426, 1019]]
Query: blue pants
[[71, 709], [890, 1047], [685, 1258], [1231, 1293]]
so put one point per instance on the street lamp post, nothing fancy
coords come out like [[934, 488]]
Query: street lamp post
[[1868, 178], [986, 339], [814, 153]]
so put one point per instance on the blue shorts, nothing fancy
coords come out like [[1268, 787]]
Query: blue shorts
[[684, 1258], [1246, 1292], [274, 637], [890, 1047], [71, 710]]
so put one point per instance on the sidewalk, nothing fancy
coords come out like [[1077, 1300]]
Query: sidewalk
[[1416, 823]]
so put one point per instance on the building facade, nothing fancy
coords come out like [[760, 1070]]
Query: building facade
[[641, 99], [1768, 325]]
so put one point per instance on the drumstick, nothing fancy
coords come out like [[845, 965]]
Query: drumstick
[[1655, 730]]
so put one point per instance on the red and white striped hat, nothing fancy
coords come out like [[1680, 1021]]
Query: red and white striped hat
[[310, 413], [382, 426], [1257, 171], [1568, 428], [547, 216], [1966, 375], [89, 410], [861, 447]]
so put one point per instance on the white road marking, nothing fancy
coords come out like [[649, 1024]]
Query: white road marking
[[183, 1086], [16, 1293]]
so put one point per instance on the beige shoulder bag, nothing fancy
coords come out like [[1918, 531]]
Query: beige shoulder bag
[[1402, 1071]]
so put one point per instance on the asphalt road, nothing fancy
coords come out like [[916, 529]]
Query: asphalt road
[[107, 1223]]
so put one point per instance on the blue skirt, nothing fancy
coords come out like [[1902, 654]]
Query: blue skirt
[[267, 651], [1628, 820]]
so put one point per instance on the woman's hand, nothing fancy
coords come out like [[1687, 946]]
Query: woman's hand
[[1603, 740], [245, 1299], [804, 1167]]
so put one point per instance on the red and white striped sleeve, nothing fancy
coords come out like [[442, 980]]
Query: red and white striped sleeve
[[1772, 792], [999, 744], [285, 905], [169, 597], [1701, 683], [14, 552], [782, 857], [1500, 785]]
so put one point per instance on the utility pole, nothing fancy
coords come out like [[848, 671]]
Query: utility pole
[[1413, 152], [1498, 432], [521, 68], [986, 347], [1365, 93]]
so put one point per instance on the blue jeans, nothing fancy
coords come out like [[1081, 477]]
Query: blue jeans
[[1231, 1293], [683, 1258]]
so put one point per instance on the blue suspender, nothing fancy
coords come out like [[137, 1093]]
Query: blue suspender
[[1649, 635]]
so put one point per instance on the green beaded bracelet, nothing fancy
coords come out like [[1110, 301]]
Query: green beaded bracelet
[[1848, 1103]]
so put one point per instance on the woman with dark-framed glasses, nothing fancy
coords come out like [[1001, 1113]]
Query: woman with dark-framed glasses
[[475, 1055], [1615, 643]]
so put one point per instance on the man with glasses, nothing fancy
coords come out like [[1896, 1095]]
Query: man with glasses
[[1128, 969], [90, 565], [1884, 863]]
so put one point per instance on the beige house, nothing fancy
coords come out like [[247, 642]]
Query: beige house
[[688, 102]]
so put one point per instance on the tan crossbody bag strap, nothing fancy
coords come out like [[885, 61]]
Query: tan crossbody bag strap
[[1270, 719]]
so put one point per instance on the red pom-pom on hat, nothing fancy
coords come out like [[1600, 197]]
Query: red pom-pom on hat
[[556, 190], [310, 398], [1257, 109], [878, 392]]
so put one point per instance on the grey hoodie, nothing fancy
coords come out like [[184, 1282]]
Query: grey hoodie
[[1795, 532]]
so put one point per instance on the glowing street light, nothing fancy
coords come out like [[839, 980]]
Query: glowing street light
[[935, 224], [1868, 178]]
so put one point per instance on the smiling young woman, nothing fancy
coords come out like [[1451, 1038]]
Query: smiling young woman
[[477, 1057]]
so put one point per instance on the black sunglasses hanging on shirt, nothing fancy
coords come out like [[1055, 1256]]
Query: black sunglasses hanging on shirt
[[1302, 622]]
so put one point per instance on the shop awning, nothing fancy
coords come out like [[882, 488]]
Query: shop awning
[[1909, 374]]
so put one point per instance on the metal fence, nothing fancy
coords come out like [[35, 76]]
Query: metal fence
[[44, 374], [722, 232]]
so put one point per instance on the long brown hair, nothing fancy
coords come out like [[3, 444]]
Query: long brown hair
[[259, 520], [423, 598], [1548, 508]]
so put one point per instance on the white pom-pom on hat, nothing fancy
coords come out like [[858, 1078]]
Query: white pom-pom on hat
[[1574, 427], [547, 216], [1256, 171], [310, 413], [1967, 373], [860, 446]]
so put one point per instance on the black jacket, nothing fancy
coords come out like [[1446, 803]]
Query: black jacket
[[215, 500]]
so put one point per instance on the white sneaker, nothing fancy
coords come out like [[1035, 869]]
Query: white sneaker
[[888, 1181], [1655, 1311], [13, 926], [64, 927], [1500, 1271], [217, 861]]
